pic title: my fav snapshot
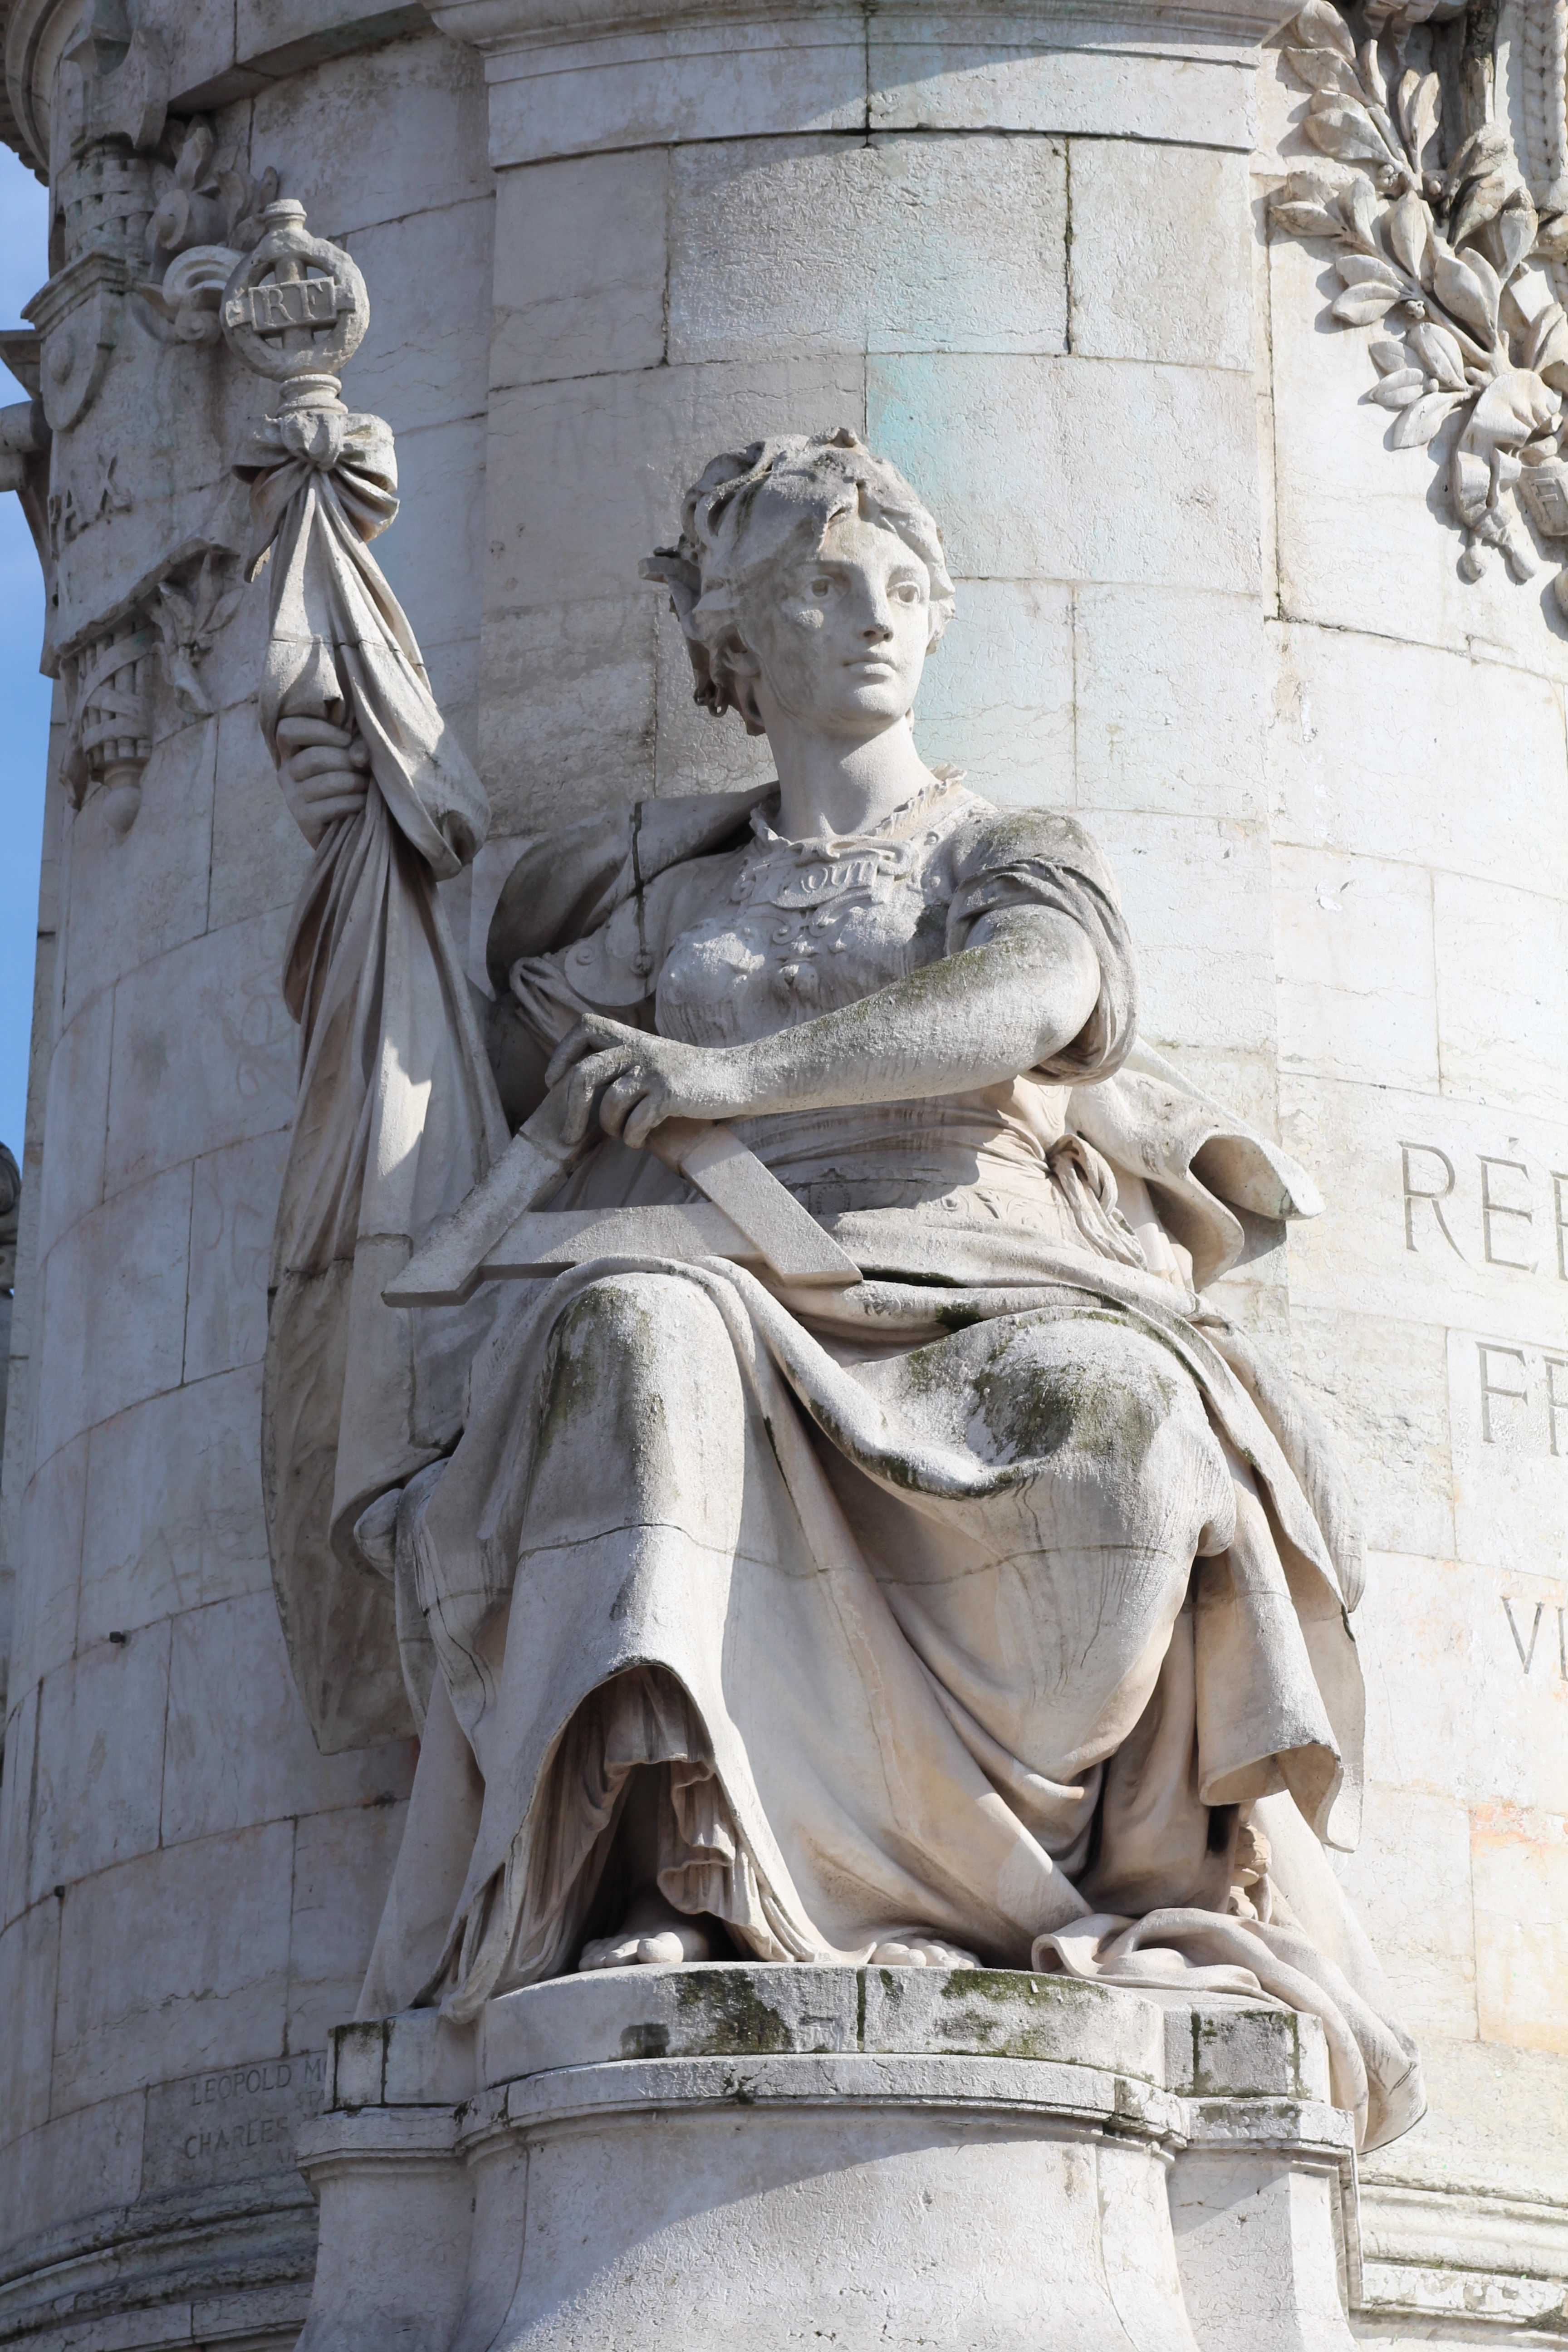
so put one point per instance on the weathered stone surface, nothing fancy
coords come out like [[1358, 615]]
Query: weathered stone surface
[[1350, 930], [1159, 271], [237, 1749], [212, 1990], [939, 72], [233, 1203], [343, 1862], [581, 264], [902, 245], [977, 2098], [1167, 702], [99, 1768], [172, 1506], [1210, 991], [114, 1306], [1519, 1864], [998, 695], [212, 1011], [1184, 519], [594, 258]]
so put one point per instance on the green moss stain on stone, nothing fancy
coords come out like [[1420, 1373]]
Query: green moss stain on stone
[[723, 2013], [604, 1330], [649, 2041], [1033, 1411], [1007, 2014]]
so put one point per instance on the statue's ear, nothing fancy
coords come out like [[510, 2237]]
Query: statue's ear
[[741, 669]]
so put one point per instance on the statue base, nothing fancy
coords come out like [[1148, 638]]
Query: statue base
[[866, 2158]]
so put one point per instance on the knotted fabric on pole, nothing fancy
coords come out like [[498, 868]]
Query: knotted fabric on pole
[[396, 1116]]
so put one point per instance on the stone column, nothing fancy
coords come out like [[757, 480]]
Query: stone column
[[1015, 253], [187, 1888], [1419, 812]]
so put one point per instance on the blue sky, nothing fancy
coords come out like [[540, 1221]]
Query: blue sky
[[24, 695]]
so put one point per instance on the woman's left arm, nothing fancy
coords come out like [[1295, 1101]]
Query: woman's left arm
[[1018, 995]]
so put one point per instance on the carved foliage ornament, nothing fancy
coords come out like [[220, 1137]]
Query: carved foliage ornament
[[110, 678], [1438, 248], [207, 218], [166, 228]]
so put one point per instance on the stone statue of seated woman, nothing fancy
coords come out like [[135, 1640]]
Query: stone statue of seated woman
[[991, 1606]]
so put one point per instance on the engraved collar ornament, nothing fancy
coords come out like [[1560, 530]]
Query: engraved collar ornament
[[1453, 242]]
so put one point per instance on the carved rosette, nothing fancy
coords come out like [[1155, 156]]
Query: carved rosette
[[1449, 242]]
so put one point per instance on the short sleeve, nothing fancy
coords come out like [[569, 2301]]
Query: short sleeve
[[1040, 858], [615, 968]]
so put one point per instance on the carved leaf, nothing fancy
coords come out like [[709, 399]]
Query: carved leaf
[[223, 612], [1541, 331], [1305, 219], [1439, 355], [1468, 289], [1488, 149], [178, 618], [1480, 202], [1516, 231], [1371, 269], [1346, 132], [1388, 355], [1320, 26], [1372, 79], [1358, 306], [1398, 390], [1419, 105], [1311, 195], [1321, 70], [189, 692], [191, 162], [1513, 407], [1358, 208], [1421, 420], [1410, 235], [1550, 358], [234, 185]]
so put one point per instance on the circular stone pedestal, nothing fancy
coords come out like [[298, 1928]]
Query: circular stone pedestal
[[706, 2157], [869, 2202]]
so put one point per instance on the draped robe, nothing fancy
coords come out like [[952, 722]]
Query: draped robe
[[996, 1597]]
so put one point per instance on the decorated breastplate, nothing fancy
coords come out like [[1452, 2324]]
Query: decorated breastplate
[[806, 927]]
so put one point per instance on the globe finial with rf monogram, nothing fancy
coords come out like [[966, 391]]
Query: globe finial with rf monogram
[[296, 308]]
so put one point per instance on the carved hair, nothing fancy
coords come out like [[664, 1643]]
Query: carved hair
[[749, 507]]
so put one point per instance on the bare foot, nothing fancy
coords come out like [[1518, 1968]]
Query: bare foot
[[653, 1935], [922, 1952]]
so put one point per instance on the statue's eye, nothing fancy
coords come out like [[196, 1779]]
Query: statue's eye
[[822, 585], [907, 592]]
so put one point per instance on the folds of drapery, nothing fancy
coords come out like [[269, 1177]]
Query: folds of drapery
[[396, 1116], [1305, 1949]]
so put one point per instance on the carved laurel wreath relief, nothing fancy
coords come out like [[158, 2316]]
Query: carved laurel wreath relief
[[1444, 191]]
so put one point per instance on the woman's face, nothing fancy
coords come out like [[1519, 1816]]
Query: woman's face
[[839, 636]]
